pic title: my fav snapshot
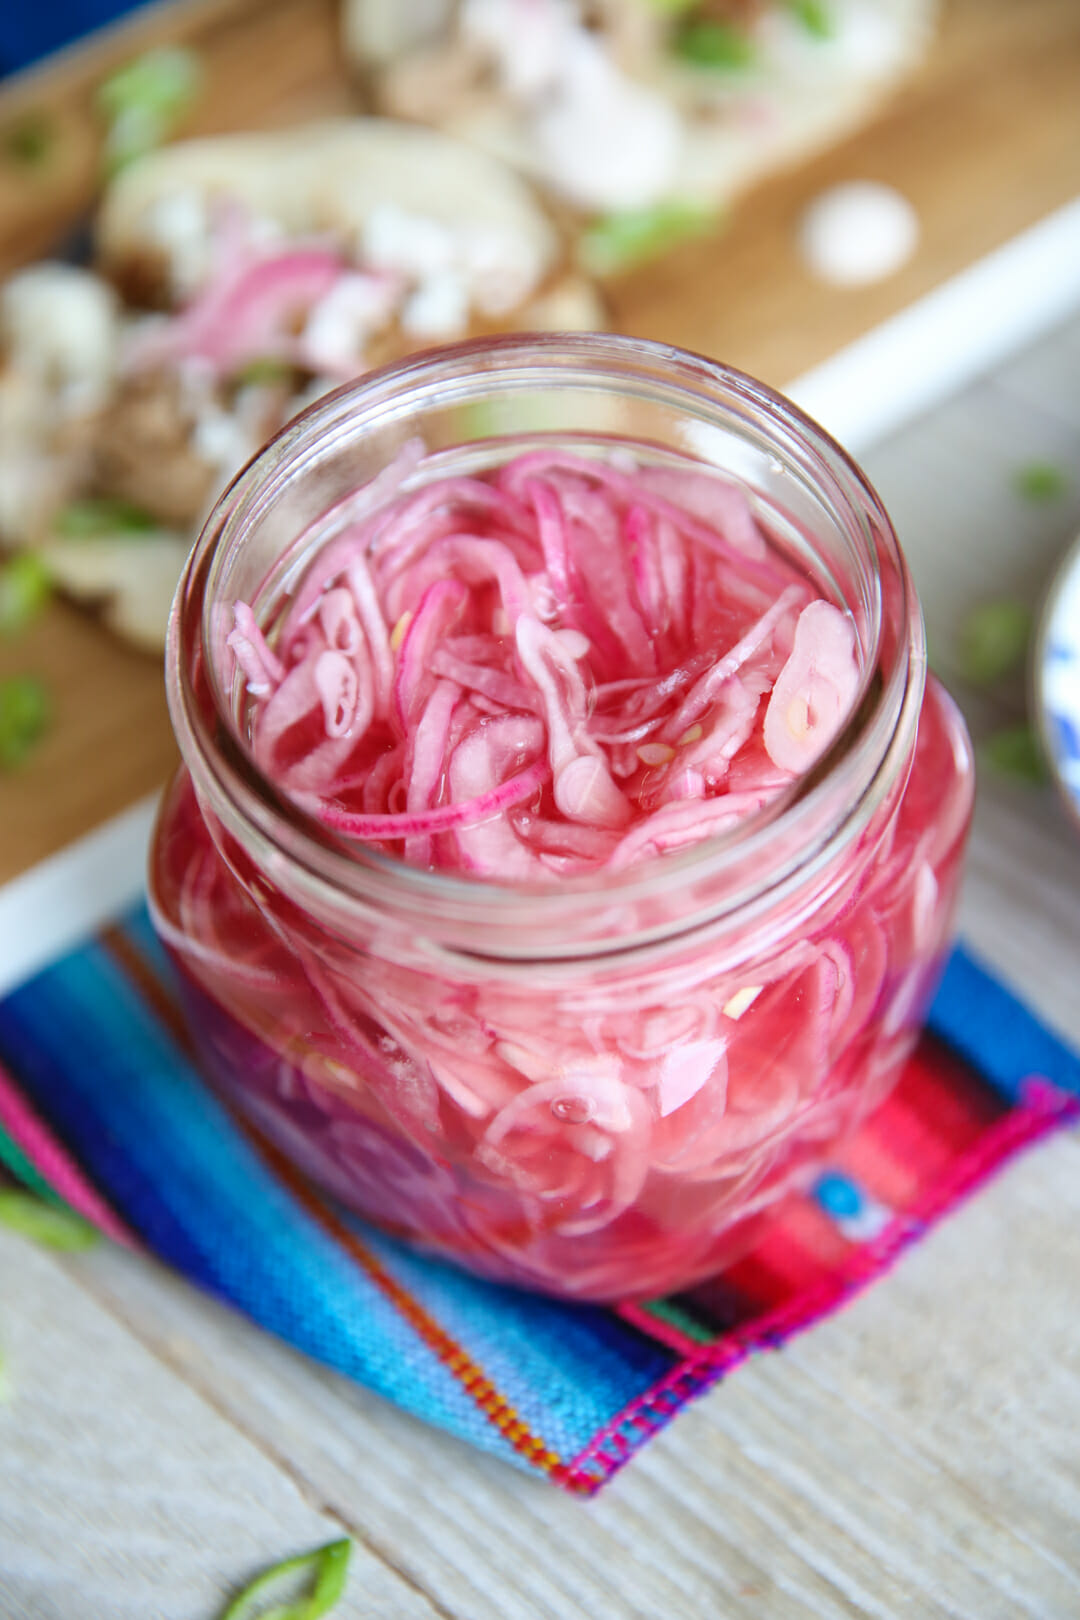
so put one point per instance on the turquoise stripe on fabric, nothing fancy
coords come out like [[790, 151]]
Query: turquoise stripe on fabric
[[144, 1124], [16, 1163], [140, 931], [564, 1369]]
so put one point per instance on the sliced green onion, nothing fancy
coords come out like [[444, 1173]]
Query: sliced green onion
[[620, 240], [993, 641], [165, 81], [24, 715], [815, 16], [1014, 752], [30, 141], [328, 1567], [267, 368], [101, 516], [1040, 482], [46, 1224], [145, 100], [717, 46], [135, 132], [24, 591]]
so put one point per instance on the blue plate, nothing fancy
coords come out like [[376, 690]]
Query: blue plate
[[1057, 678]]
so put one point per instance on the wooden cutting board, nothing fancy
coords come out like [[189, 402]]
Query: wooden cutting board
[[985, 140]]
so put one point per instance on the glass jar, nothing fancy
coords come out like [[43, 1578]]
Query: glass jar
[[594, 1088]]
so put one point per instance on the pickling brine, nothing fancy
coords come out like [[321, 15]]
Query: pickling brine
[[566, 848]]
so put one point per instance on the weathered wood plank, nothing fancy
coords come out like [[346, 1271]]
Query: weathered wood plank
[[124, 1492], [909, 1457], [982, 1329], [1020, 904], [948, 481]]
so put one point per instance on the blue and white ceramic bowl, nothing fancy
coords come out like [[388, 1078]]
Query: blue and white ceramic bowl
[[1057, 678]]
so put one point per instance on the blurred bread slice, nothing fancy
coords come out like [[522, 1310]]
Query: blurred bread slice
[[103, 410], [600, 104], [328, 177]]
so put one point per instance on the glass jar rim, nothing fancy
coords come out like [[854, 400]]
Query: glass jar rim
[[485, 918]]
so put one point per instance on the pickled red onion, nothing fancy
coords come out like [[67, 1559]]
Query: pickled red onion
[[464, 813], [482, 667], [814, 691], [247, 312], [564, 668]]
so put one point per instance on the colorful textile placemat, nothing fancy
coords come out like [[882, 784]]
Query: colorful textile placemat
[[101, 1107]]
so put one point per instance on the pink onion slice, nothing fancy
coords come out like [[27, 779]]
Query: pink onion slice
[[444, 818], [262, 668], [247, 312], [815, 689]]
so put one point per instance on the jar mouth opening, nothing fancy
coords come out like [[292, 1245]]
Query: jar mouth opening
[[830, 804]]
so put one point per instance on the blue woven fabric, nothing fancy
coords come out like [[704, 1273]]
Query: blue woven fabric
[[89, 1062]]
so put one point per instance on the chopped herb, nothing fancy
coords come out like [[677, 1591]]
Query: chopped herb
[[993, 641], [618, 241], [145, 100], [268, 368], [45, 1223], [328, 1567], [1041, 482], [166, 81], [714, 45], [29, 142], [24, 715], [98, 516], [24, 590], [671, 7], [1015, 752], [135, 132], [815, 16]]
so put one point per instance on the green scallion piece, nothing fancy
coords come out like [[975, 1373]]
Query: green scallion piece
[[30, 141], [24, 715], [717, 46], [24, 591], [46, 1224], [1015, 752], [1040, 482], [268, 368], [101, 517], [328, 1568], [619, 241], [815, 16], [166, 81], [993, 641], [144, 101]]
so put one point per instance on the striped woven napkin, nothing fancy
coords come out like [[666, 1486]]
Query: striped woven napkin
[[101, 1107]]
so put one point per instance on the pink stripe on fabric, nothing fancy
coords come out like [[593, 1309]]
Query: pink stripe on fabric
[[47, 1156]]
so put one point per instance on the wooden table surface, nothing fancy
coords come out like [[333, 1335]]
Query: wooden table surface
[[915, 1456]]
